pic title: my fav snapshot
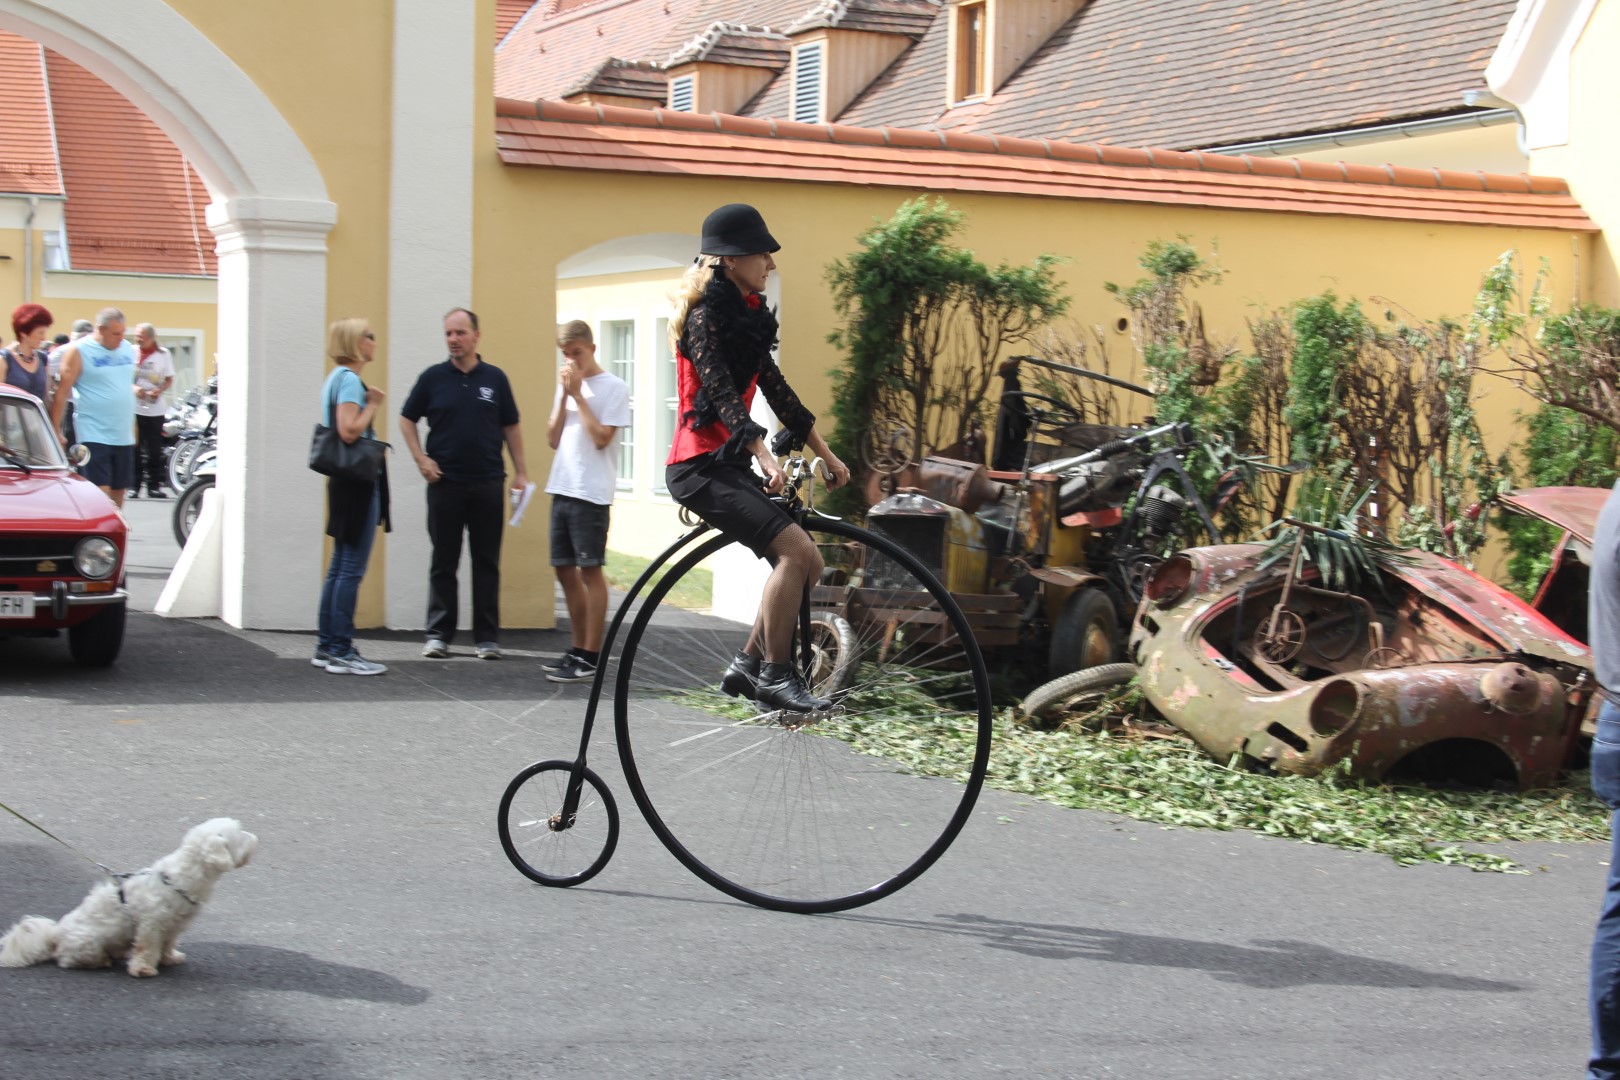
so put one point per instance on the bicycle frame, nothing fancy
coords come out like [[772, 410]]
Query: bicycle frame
[[797, 509]]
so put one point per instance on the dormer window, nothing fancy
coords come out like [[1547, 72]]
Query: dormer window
[[807, 79], [971, 31], [682, 93]]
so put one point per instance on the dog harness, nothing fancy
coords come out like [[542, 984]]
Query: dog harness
[[118, 883]]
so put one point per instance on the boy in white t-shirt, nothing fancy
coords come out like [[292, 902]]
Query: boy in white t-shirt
[[590, 408]]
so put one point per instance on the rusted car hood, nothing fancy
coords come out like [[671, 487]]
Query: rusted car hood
[[1519, 627], [1574, 509]]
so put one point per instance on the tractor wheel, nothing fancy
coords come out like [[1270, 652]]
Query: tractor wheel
[[1086, 633]]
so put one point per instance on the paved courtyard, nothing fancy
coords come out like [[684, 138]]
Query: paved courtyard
[[380, 932]]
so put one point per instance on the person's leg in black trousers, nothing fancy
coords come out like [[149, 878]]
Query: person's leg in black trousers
[[446, 518], [150, 430], [486, 516]]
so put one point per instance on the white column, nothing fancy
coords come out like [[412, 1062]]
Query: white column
[[430, 249], [272, 330]]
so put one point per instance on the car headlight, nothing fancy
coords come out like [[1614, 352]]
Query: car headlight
[[95, 556], [1171, 581]]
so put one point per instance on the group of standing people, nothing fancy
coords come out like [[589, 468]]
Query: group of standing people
[[724, 338], [99, 390]]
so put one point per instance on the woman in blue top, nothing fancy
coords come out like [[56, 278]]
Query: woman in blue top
[[27, 366], [353, 509]]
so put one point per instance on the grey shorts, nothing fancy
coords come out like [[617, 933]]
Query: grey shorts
[[578, 531]]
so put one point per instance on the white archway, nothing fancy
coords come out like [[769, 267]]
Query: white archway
[[270, 215]]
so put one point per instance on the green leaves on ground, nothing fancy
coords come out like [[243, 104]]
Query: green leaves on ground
[[1170, 781]]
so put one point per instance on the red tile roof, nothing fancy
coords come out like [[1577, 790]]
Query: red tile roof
[[562, 136], [1189, 73], [556, 49], [27, 154], [507, 15], [134, 204], [1176, 73]]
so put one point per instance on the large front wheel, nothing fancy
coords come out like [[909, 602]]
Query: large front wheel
[[820, 811]]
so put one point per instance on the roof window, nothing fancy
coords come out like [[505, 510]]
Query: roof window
[[807, 80], [682, 93], [971, 31]]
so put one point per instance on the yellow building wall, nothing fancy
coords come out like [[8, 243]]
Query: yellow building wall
[[1270, 260], [1590, 160], [1483, 149], [328, 69], [527, 220]]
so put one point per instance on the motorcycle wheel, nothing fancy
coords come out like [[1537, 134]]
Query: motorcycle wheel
[[187, 507]]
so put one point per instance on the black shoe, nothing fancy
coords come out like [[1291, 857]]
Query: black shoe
[[559, 663], [156, 493], [780, 687], [741, 676], [133, 493], [578, 669]]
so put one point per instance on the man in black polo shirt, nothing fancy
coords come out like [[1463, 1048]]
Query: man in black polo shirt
[[470, 413]]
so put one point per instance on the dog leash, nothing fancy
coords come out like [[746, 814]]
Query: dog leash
[[118, 879], [109, 871]]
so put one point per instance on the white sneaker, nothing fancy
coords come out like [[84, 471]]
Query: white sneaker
[[488, 650], [435, 649], [354, 664]]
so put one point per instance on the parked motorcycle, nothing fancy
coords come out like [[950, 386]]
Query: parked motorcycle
[[189, 505], [191, 424]]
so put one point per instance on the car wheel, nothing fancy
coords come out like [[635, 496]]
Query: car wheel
[[1076, 690], [1086, 634], [96, 641]]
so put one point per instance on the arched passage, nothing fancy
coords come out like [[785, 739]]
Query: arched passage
[[270, 215]]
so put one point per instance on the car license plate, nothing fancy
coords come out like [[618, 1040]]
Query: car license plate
[[16, 605]]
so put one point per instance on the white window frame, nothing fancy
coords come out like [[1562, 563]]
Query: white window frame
[[627, 371]]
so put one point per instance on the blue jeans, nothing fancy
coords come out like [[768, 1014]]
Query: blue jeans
[[1605, 989], [342, 588]]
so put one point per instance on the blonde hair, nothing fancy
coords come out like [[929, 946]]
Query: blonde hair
[[688, 292], [343, 340], [577, 330]]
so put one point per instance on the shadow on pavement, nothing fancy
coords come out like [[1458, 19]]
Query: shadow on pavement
[[1262, 965]]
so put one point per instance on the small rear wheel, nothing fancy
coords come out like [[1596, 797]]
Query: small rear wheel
[[544, 843]]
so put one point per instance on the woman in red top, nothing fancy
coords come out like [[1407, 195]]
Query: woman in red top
[[723, 336]]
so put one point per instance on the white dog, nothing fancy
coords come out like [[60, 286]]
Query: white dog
[[139, 916]]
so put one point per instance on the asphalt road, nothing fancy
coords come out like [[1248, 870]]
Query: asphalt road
[[380, 932]]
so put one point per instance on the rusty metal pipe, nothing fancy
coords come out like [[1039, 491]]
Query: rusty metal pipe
[[1072, 370]]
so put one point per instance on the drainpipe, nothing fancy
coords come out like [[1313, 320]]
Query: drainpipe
[[28, 250]]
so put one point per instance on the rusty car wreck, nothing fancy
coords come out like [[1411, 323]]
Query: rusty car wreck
[[1438, 674]]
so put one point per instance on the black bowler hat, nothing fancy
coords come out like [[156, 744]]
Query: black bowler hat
[[737, 229]]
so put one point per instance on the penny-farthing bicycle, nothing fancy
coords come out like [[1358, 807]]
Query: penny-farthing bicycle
[[802, 812]]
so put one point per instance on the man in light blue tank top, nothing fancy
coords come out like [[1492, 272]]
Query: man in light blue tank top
[[102, 370]]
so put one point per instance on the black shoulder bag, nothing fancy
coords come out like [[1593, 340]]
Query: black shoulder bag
[[359, 461]]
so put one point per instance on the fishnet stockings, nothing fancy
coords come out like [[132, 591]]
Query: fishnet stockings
[[795, 561]]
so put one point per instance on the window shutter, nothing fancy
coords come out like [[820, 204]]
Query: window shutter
[[807, 83], [681, 93]]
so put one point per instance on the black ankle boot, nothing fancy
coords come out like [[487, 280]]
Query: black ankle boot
[[780, 687], [741, 675]]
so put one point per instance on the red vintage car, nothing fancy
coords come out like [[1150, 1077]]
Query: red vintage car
[[62, 541]]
